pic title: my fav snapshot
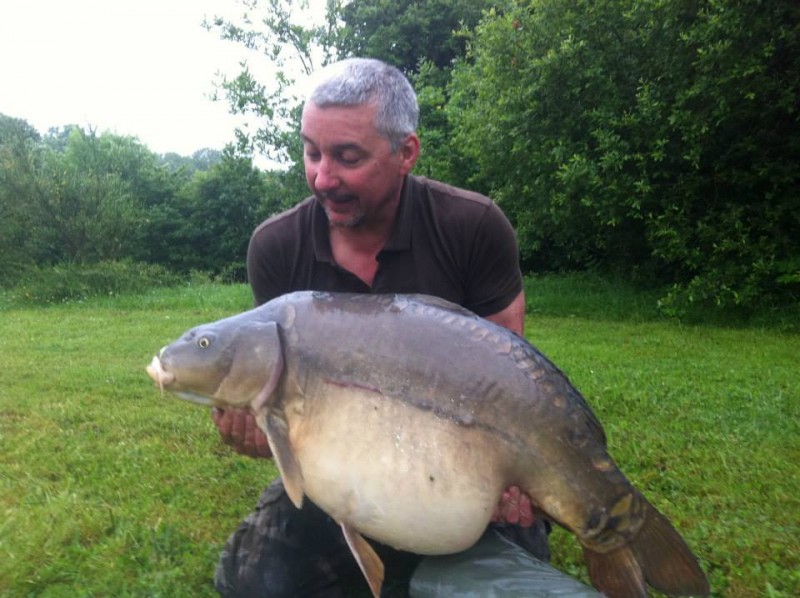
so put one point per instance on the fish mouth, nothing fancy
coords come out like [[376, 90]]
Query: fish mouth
[[159, 375], [163, 379]]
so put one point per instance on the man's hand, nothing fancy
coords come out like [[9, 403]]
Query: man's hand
[[238, 429], [514, 508]]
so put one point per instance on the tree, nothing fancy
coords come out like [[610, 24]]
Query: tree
[[408, 33], [201, 160], [215, 214], [87, 205], [289, 43], [655, 138], [19, 162], [13, 130]]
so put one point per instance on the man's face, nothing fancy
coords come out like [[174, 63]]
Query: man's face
[[350, 167]]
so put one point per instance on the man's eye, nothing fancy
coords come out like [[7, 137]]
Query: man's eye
[[349, 159]]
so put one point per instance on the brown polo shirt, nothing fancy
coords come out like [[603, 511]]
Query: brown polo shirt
[[447, 242]]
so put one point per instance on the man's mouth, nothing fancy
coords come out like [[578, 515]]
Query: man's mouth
[[338, 199]]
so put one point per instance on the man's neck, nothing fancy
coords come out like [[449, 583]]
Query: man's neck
[[356, 248]]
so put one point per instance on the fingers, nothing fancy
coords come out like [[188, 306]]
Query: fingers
[[238, 429], [254, 443], [262, 448], [526, 516], [238, 432], [511, 507], [226, 422], [514, 508]]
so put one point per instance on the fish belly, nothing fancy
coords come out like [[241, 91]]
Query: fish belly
[[395, 472]]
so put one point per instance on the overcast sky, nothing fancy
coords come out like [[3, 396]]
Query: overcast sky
[[143, 68]]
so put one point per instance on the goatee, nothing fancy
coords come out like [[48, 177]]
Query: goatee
[[335, 218]]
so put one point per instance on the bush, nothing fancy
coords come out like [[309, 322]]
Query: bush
[[77, 282], [645, 138]]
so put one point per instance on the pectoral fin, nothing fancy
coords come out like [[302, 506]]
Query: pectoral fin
[[271, 419], [366, 557], [277, 433]]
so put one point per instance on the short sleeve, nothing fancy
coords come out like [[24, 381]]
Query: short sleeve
[[494, 276], [265, 273]]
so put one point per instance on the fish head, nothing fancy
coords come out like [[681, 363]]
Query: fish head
[[223, 364]]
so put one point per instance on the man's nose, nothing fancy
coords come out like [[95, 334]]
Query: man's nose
[[326, 177]]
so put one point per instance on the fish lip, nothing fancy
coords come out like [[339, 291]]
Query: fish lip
[[158, 374]]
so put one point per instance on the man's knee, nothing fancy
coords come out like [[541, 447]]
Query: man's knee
[[279, 551]]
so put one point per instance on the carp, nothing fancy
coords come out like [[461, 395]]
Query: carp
[[404, 417]]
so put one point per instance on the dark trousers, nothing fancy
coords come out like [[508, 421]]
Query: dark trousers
[[279, 550]]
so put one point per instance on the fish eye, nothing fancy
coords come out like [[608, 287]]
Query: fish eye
[[204, 342]]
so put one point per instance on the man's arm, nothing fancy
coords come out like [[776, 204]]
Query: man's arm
[[515, 506], [513, 316]]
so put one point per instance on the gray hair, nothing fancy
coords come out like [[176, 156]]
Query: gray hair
[[359, 81]]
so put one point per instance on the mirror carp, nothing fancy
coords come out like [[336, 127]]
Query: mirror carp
[[404, 417]]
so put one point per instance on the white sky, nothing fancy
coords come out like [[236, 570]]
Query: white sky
[[143, 68]]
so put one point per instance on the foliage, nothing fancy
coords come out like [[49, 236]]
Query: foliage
[[14, 129], [440, 157], [108, 488], [592, 296], [407, 33], [291, 43], [656, 138], [19, 161], [218, 211], [87, 197], [201, 160], [207, 223], [77, 198]]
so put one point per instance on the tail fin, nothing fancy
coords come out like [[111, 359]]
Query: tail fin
[[616, 574], [668, 563], [657, 556]]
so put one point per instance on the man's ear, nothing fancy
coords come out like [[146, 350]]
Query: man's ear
[[409, 152]]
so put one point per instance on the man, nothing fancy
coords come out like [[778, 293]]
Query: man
[[370, 227]]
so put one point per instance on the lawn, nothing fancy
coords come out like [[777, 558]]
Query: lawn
[[109, 489]]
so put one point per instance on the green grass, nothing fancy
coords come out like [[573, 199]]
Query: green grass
[[109, 489]]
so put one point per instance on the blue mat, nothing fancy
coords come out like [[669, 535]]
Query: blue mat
[[493, 568]]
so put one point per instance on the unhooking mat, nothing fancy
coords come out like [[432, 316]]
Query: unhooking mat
[[493, 568]]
